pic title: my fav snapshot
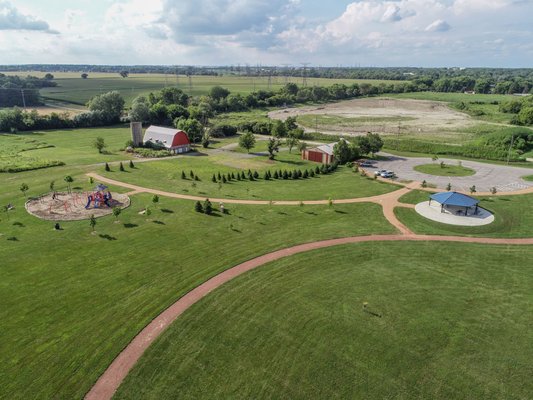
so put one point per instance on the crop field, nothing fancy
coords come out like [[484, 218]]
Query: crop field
[[452, 328], [73, 89]]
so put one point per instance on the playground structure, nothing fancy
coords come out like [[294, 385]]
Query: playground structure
[[99, 197], [63, 206]]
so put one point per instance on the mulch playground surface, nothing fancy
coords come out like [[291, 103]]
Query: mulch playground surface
[[71, 206]]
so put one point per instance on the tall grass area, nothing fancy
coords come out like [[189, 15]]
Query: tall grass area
[[449, 328]]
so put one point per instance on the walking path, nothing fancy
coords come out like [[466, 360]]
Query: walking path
[[113, 376]]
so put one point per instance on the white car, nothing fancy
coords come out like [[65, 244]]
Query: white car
[[380, 171], [387, 174]]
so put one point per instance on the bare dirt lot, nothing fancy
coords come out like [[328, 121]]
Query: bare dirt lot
[[382, 115]]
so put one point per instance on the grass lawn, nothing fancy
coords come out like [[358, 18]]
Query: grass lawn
[[452, 328], [70, 146], [444, 170], [166, 175], [513, 217], [72, 300], [528, 178]]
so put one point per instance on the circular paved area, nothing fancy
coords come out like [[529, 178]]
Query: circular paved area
[[504, 178], [433, 212]]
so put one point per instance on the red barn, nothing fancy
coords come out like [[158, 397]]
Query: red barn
[[322, 154], [171, 139]]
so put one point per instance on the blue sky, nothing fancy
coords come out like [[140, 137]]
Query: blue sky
[[496, 33]]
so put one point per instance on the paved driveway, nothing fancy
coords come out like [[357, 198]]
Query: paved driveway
[[504, 178]]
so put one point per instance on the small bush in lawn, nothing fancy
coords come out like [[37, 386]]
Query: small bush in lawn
[[107, 167], [294, 174], [276, 176], [251, 177], [196, 178], [238, 176], [131, 164], [232, 175], [285, 175], [448, 187], [356, 168], [229, 177], [183, 175], [317, 170], [424, 184], [493, 190], [323, 169], [256, 175], [198, 207], [224, 180], [300, 174], [121, 167], [312, 174], [191, 174], [305, 174], [266, 177], [242, 175], [208, 208], [219, 176], [349, 164], [249, 172], [214, 179]]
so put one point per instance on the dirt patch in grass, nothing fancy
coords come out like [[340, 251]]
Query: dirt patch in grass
[[382, 115]]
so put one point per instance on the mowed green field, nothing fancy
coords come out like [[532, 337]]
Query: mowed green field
[[166, 175], [73, 89], [444, 170], [72, 300], [448, 328]]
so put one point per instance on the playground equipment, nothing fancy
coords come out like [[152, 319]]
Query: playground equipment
[[99, 197]]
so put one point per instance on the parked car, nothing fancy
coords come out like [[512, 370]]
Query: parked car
[[387, 174], [365, 163], [379, 172]]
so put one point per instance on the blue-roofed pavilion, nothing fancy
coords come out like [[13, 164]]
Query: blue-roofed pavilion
[[453, 201]]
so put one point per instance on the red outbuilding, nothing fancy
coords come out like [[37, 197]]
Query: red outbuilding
[[322, 154], [171, 139]]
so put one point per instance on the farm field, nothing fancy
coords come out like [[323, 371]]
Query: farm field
[[73, 89], [455, 328]]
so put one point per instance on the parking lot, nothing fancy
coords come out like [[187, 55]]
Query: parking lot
[[504, 178]]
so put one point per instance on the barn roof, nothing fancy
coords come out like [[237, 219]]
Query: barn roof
[[325, 148], [454, 199], [165, 137]]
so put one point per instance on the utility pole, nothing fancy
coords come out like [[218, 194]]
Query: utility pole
[[510, 148], [23, 98], [304, 73]]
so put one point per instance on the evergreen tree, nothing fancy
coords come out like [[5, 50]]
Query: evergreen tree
[[224, 180], [242, 175], [131, 164], [317, 170], [266, 177], [285, 174], [208, 208], [214, 179], [305, 174], [121, 167], [198, 207], [276, 176], [299, 174], [219, 176], [191, 174], [256, 175], [312, 174], [107, 167], [183, 175], [238, 176], [196, 178], [232, 175], [251, 177]]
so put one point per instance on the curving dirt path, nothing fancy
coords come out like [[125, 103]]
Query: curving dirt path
[[111, 379], [113, 376]]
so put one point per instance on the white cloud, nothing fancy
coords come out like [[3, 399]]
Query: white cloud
[[438, 26], [13, 19]]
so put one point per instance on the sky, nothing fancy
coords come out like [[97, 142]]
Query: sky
[[418, 33]]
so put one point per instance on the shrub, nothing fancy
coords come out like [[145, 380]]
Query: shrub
[[131, 164], [198, 207], [121, 167], [256, 175], [214, 179], [107, 167], [208, 208], [224, 180], [276, 176], [183, 176]]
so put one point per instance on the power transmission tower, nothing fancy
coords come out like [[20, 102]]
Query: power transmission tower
[[286, 72], [304, 73]]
